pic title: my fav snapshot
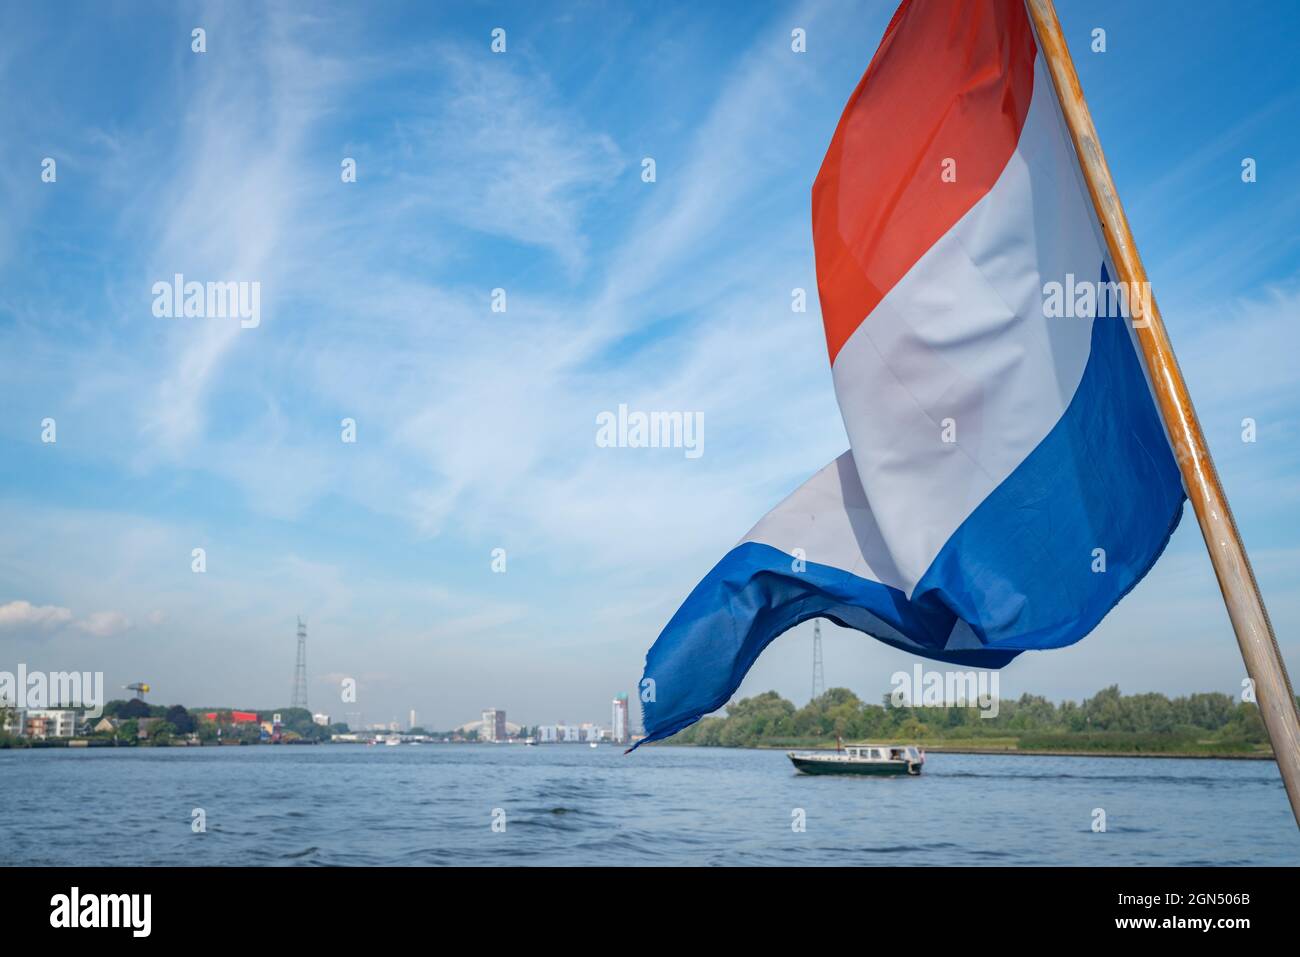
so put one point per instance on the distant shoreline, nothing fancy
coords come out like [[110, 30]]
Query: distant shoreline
[[81, 744]]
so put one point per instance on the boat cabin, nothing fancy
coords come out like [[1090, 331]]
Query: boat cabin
[[881, 752]]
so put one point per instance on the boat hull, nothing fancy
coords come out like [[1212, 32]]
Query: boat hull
[[867, 768]]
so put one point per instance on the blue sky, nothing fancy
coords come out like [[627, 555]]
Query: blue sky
[[475, 429]]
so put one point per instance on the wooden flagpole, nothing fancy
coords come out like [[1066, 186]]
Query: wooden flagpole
[[1241, 594]]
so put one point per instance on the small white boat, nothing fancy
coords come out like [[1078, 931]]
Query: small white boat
[[594, 744], [878, 759], [393, 742]]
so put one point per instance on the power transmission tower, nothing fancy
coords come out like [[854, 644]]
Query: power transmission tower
[[819, 676], [299, 699]]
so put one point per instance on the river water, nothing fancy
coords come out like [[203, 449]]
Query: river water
[[574, 805]]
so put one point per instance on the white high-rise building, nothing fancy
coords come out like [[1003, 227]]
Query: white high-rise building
[[411, 723], [620, 725], [494, 725]]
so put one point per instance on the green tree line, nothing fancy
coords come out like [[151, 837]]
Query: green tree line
[[1107, 722]]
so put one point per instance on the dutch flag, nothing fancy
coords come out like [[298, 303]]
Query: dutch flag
[[996, 449]]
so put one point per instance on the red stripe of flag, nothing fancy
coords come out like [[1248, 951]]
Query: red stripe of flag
[[951, 79]]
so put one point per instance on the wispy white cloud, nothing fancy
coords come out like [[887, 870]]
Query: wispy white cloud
[[524, 167], [22, 618], [21, 614], [233, 190], [102, 624]]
